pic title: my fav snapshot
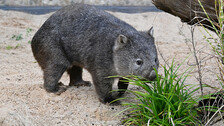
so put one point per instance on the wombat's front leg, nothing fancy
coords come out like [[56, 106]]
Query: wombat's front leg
[[52, 75], [122, 86], [103, 86]]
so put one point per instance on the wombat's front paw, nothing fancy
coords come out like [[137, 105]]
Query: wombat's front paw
[[120, 93], [62, 88], [80, 83], [58, 90], [110, 101]]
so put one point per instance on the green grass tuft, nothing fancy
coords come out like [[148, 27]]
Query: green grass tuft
[[165, 101]]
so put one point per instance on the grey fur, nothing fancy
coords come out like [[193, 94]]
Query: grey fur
[[81, 36]]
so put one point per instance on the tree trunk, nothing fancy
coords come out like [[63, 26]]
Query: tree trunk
[[190, 11]]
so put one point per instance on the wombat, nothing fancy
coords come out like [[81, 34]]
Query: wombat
[[81, 36]]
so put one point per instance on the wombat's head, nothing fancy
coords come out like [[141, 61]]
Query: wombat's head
[[135, 53]]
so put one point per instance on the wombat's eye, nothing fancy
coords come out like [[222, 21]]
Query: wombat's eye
[[139, 62]]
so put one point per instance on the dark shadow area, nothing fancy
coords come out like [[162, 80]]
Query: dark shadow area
[[38, 10]]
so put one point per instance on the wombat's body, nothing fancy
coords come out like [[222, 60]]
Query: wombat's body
[[81, 36]]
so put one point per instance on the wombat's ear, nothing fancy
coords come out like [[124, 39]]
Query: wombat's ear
[[151, 31], [122, 39], [120, 42]]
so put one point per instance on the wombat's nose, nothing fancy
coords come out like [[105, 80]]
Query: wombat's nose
[[152, 75]]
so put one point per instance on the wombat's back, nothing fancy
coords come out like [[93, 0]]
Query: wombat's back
[[82, 19], [81, 32]]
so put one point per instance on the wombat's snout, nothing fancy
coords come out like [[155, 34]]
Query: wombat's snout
[[152, 75]]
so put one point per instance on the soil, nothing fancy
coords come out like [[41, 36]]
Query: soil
[[23, 100]]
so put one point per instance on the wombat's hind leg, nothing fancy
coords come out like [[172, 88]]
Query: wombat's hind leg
[[51, 77], [122, 86], [75, 74]]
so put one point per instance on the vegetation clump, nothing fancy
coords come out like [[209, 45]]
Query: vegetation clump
[[165, 101]]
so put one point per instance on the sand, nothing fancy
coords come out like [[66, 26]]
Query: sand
[[23, 101]]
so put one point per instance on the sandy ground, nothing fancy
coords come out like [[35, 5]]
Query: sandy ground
[[23, 101]]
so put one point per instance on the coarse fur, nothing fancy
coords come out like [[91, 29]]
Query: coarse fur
[[81, 36]]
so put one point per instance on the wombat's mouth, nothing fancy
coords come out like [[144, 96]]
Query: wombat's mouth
[[152, 76]]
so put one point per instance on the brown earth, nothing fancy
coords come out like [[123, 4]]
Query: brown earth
[[23, 101]]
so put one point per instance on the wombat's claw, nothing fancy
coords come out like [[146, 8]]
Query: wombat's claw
[[110, 101], [115, 103], [60, 84], [62, 88], [81, 83]]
